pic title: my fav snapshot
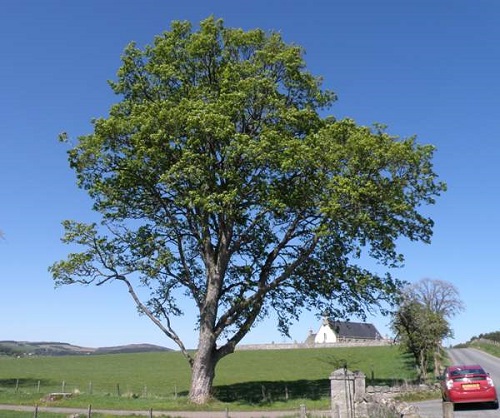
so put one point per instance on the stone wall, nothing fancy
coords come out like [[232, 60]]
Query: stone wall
[[351, 398], [288, 346]]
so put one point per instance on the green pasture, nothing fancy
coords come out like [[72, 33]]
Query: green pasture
[[276, 379]]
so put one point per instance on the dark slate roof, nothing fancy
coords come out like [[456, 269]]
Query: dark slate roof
[[354, 330]]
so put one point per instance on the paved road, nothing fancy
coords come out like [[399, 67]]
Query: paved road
[[434, 408]]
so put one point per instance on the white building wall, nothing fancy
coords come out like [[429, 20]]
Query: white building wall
[[325, 335]]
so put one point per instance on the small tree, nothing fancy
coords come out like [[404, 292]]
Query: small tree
[[417, 327], [218, 179], [421, 320], [442, 298]]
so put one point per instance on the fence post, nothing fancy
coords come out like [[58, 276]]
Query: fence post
[[447, 410], [150, 412], [303, 412], [35, 415], [90, 411]]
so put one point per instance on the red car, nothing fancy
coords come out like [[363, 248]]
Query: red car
[[467, 384]]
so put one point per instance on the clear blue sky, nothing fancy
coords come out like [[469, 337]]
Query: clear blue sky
[[427, 67]]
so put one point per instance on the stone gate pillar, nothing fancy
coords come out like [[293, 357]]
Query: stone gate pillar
[[347, 394]]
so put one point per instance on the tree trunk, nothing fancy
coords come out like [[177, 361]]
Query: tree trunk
[[423, 366], [203, 374], [437, 362]]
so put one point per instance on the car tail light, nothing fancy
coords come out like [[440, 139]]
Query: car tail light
[[449, 384], [490, 381]]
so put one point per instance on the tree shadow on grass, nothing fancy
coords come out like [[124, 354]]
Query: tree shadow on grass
[[262, 392], [12, 383]]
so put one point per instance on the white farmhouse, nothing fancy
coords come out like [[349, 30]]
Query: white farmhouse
[[332, 331]]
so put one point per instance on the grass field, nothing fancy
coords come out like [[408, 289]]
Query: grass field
[[277, 379]]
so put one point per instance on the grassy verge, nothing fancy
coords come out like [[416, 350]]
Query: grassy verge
[[21, 414], [246, 380], [492, 349]]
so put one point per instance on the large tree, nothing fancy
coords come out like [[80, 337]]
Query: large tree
[[218, 179]]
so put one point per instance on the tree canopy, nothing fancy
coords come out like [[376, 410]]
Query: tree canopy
[[439, 296], [421, 321], [218, 179], [419, 330]]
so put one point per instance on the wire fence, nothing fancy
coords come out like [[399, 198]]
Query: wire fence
[[68, 388]]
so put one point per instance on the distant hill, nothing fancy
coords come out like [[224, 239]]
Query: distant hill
[[24, 348], [130, 348]]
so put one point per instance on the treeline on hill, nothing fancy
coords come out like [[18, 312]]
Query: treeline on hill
[[492, 336], [489, 336]]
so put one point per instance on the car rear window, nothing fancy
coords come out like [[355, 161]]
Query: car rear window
[[469, 374]]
